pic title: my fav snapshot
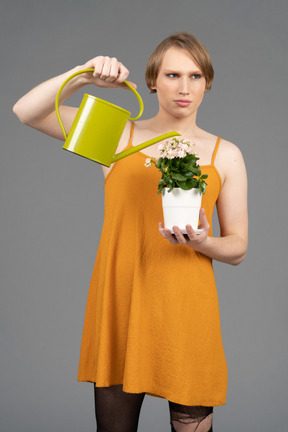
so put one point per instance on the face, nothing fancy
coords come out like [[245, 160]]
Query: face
[[180, 84]]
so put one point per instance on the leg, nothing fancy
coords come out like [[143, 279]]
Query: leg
[[190, 418], [116, 410]]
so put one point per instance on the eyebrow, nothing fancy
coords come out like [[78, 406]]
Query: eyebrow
[[198, 71]]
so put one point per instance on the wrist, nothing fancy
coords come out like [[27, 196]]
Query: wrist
[[85, 78], [79, 80], [201, 245]]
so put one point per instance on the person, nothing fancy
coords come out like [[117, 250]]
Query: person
[[152, 322]]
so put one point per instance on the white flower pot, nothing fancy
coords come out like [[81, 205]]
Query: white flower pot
[[181, 208]]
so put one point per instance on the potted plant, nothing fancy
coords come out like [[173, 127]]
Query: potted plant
[[181, 185]]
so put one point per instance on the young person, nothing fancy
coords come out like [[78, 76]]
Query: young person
[[152, 322]]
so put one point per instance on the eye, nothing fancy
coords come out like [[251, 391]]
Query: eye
[[172, 75], [196, 76]]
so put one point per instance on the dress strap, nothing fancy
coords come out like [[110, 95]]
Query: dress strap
[[131, 135], [215, 150]]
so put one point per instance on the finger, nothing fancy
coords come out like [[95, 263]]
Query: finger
[[202, 215], [114, 70], [166, 233], [132, 84], [105, 72], [191, 233], [98, 65], [203, 220], [123, 73], [179, 236]]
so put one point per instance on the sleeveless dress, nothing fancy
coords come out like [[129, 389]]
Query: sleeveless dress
[[152, 318]]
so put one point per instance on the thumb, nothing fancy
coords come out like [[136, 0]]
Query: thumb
[[203, 219], [131, 83]]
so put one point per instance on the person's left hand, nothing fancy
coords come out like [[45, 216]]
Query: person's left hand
[[191, 239]]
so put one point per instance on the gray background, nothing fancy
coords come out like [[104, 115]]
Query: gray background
[[52, 203]]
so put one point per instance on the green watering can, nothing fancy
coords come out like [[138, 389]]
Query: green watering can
[[98, 126]]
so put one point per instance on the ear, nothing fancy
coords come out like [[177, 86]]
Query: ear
[[153, 89]]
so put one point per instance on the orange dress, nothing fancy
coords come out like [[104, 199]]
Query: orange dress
[[152, 319]]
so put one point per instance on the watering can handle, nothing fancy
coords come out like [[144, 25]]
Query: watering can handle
[[141, 105]]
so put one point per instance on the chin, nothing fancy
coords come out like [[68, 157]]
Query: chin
[[182, 115]]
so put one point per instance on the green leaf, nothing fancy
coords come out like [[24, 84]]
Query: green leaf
[[192, 168], [202, 188], [187, 185], [196, 171], [158, 163], [178, 177], [191, 158], [181, 172]]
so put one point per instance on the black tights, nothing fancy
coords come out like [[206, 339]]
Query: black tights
[[118, 411]]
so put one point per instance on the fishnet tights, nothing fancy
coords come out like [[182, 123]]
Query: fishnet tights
[[190, 418], [118, 411]]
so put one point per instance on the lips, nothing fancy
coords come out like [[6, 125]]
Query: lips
[[182, 102]]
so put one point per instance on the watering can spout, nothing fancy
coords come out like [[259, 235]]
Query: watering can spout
[[144, 145], [98, 126]]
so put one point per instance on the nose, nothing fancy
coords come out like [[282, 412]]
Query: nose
[[183, 86]]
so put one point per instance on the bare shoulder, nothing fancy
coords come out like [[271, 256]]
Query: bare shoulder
[[124, 140], [141, 129], [229, 160], [144, 130], [229, 151]]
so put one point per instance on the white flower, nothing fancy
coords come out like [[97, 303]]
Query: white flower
[[175, 148], [181, 154], [148, 163]]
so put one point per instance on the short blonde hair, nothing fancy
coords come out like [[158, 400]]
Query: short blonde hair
[[184, 41]]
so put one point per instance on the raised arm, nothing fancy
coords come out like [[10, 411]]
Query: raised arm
[[37, 107]]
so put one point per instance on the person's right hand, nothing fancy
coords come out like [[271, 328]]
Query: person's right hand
[[108, 72]]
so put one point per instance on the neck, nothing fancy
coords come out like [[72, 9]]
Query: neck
[[185, 126]]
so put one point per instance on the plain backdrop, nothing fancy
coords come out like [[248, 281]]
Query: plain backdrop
[[52, 203]]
